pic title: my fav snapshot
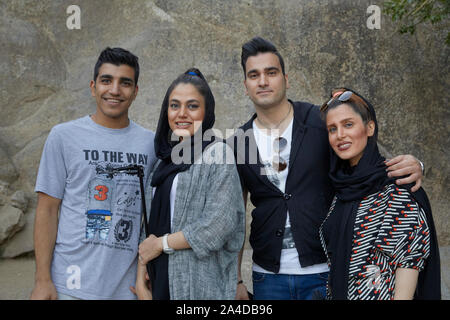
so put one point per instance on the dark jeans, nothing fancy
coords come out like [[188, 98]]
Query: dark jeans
[[289, 287]]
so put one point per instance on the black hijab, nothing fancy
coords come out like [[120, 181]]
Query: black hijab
[[163, 176], [351, 185]]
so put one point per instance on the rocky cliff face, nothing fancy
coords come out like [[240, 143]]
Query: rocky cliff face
[[46, 68]]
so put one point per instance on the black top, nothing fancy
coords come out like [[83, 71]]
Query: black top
[[308, 190]]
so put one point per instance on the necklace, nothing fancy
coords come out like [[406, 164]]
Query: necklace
[[279, 123]]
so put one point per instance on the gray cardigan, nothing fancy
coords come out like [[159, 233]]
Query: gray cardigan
[[209, 210]]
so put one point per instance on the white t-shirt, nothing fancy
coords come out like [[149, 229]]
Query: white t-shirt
[[289, 262]]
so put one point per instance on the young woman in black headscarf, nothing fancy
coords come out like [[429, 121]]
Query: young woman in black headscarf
[[197, 213], [379, 238]]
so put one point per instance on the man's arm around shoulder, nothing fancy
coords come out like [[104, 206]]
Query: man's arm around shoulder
[[45, 230]]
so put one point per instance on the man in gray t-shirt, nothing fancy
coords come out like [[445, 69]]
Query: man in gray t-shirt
[[90, 251]]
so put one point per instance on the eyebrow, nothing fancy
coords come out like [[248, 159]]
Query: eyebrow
[[343, 120], [265, 69], [122, 79], [192, 100]]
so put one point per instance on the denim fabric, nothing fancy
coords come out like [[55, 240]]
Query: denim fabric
[[99, 223], [289, 287]]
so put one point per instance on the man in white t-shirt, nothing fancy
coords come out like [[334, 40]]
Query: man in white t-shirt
[[288, 183], [89, 250]]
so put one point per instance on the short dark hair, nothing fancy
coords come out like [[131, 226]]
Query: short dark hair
[[259, 45], [118, 56]]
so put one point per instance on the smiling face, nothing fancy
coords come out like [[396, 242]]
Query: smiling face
[[347, 133], [186, 110], [265, 82], [114, 91]]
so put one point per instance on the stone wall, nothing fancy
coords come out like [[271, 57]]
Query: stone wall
[[46, 68]]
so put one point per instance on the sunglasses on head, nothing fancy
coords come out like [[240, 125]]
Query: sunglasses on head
[[344, 95], [340, 95]]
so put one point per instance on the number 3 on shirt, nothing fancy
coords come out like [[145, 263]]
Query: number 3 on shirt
[[102, 190]]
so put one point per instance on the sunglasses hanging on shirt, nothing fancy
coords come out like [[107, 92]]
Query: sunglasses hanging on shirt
[[278, 162]]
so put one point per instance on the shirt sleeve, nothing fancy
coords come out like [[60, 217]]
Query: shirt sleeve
[[52, 174], [417, 244], [406, 236]]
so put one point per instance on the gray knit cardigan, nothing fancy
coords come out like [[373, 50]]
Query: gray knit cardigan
[[209, 210]]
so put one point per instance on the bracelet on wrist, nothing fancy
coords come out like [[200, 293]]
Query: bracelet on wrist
[[422, 166]]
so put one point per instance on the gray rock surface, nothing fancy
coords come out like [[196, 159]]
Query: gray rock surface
[[10, 221], [8, 172], [19, 200], [22, 242]]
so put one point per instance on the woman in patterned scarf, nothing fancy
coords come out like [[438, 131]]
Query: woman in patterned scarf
[[379, 238]]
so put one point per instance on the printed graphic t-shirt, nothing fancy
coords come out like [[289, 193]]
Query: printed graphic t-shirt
[[96, 247]]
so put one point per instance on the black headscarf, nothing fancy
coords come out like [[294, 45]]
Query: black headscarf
[[351, 185], [163, 176]]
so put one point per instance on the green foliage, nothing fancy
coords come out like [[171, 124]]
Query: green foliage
[[410, 13]]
